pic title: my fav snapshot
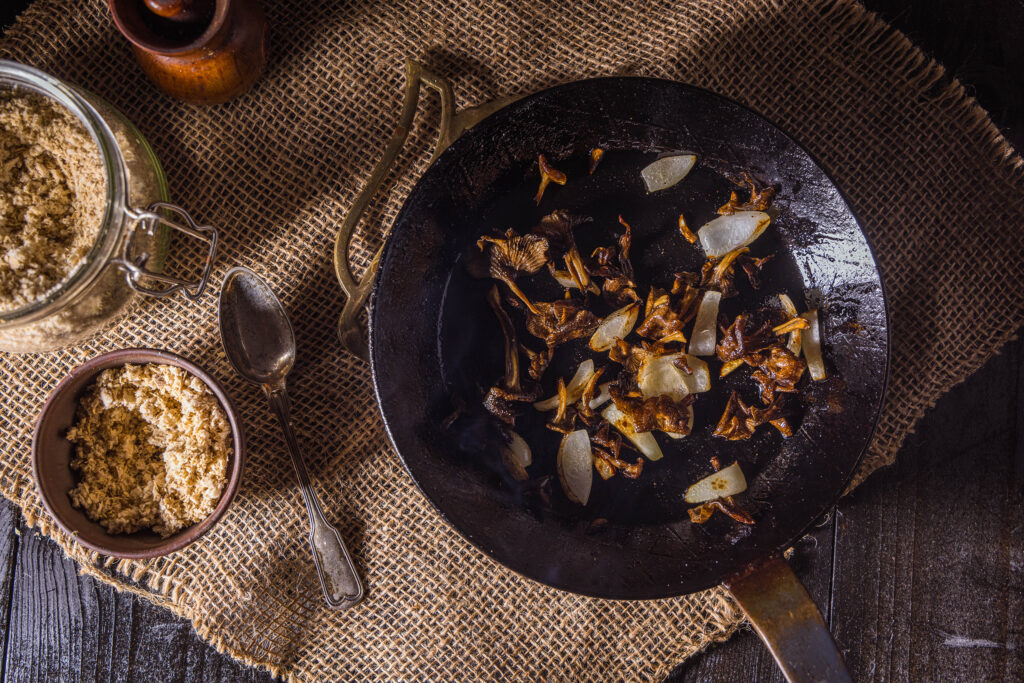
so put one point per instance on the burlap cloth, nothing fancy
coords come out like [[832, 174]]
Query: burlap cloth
[[939, 192]]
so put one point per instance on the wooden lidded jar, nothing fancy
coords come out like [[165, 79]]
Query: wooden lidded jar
[[199, 51]]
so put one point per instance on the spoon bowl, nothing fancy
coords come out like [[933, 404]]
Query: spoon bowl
[[257, 334]]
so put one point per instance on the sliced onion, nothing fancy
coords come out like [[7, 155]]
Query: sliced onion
[[564, 278], [658, 376], [602, 397], [616, 326], [812, 346], [705, 327], [732, 231], [644, 441], [794, 342], [667, 171], [700, 380], [516, 455], [788, 305], [576, 466], [574, 390], [725, 482]]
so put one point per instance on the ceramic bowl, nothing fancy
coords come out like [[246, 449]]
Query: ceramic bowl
[[51, 458]]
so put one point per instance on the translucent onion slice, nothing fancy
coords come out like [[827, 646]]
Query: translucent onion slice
[[667, 171], [725, 482], [516, 455], [812, 346], [574, 390], [602, 397], [644, 441], [788, 306], [794, 342], [700, 380], [563, 278], [576, 466], [726, 233], [705, 327], [659, 376], [616, 326]]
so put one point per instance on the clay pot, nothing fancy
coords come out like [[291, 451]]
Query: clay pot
[[202, 53]]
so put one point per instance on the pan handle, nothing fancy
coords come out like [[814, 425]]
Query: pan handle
[[356, 293], [788, 622], [451, 126]]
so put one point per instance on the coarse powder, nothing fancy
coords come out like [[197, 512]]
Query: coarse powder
[[52, 196], [151, 448]]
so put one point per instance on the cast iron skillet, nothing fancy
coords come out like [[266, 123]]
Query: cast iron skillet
[[434, 343]]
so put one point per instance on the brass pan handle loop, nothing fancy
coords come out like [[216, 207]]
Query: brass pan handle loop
[[352, 338]]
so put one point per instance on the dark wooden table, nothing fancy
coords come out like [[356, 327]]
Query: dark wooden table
[[919, 572]]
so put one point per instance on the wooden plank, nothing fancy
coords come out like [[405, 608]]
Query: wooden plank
[[926, 582], [68, 627], [8, 554]]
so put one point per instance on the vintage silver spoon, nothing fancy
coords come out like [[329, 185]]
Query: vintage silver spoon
[[260, 345]]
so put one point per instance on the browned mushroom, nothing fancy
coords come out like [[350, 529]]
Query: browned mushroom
[[502, 403], [727, 506], [657, 412], [753, 266], [773, 416], [557, 229], [619, 291], [560, 321], [720, 274], [589, 392], [743, 338], [607, 465], [539, 361], [777, 370], [512, 255], [548, 174], [759, 200], [564, 420], [625, 243], [604, 262], [603, 463], [736, 423], [511, 381], [684, 229], [664, 318]]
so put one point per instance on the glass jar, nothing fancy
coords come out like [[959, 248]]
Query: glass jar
[[130, 248]]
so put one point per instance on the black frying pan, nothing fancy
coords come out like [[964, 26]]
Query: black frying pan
[[434, 342]]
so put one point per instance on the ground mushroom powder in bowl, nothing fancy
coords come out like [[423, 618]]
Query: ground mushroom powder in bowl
[[152, 444]]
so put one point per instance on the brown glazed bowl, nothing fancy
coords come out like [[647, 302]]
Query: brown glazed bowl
[[51, 458]]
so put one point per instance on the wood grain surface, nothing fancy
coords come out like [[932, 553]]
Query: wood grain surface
[[919, 572]]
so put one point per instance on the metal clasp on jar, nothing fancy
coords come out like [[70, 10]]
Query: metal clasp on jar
[[135, 264]]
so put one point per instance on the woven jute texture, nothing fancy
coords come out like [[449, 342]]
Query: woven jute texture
[[939, 192]]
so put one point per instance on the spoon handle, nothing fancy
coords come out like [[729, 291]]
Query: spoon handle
[[338, 577]]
